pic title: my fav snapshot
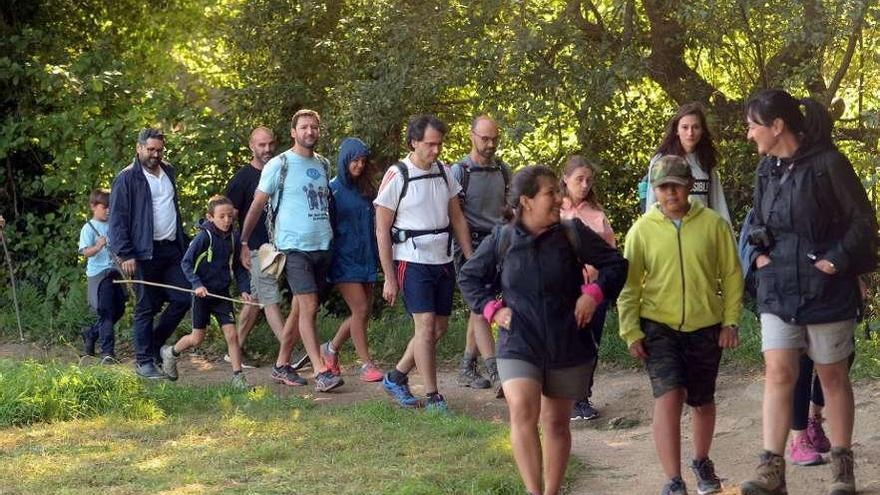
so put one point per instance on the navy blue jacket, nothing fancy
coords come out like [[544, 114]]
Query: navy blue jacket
[[540, 282], [131, 217], [355, 253], [819, 211], [212, 271]]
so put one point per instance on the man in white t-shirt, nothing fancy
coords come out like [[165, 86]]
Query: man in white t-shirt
[[417, 211], [147, 237], [296, 182]]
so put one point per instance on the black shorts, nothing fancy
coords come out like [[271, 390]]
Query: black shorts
[[307, 271], [204, 307], [686, 360]]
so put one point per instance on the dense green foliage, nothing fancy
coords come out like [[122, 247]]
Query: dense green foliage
[[598, 77]]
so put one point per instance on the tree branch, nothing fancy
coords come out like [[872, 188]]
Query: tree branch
[[803, 51], [848, 54]]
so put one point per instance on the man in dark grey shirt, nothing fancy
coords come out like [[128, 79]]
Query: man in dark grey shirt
[[485, 182]]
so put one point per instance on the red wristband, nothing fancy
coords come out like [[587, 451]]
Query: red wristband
[[491, 308], [593, 290]]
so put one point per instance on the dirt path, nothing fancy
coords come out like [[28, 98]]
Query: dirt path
[[617, 449]]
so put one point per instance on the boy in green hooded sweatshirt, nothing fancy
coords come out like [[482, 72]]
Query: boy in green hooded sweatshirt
[[678, 310]]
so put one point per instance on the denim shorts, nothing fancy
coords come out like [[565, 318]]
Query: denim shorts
[[426, 288]]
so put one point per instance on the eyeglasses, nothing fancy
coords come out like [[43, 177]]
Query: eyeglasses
[[487, 139]]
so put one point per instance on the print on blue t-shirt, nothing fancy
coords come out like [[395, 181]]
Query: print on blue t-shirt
[[303, 220]]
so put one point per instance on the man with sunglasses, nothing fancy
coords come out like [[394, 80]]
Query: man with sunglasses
[[485, 183]]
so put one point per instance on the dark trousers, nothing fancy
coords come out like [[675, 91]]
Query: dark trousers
[[596, 325], [163, 268], [111, 307], [808, 389]]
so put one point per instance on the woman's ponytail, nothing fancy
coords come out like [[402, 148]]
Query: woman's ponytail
[[817, 123]]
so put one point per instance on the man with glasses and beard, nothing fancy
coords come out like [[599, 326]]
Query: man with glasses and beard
[[485, 182]]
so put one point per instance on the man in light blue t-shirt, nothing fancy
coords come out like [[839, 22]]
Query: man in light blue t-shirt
[[296, 186]]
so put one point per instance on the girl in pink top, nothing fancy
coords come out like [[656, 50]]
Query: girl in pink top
[[580, 201]]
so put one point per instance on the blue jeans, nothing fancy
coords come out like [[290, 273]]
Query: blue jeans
[[111, 306], [163, 268]]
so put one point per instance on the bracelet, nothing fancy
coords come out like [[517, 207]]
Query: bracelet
[[593, 290], [491, 308]]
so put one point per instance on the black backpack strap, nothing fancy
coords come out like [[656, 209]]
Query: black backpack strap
[[574, 238], [502, 245]]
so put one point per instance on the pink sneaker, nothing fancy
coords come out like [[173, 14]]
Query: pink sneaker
[[371, 373], [817, 435], [331, 359], [802, 453]]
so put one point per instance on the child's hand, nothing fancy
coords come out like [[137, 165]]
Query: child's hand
[[201, 292], [247, 297], [637, 350], [728, 338], [584, 309], [101, 242]]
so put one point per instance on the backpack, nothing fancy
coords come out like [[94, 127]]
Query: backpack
[[505, 237], [745, 250], [466, 172], [401, 235]]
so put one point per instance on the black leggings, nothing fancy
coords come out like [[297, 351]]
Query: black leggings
[[808, 389]]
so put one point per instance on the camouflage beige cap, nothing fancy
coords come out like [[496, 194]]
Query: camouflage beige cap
[[671, 169]]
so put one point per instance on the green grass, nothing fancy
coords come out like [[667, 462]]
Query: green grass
[[216, 440]]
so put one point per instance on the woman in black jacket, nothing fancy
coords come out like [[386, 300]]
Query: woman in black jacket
[[813, 229], [545, 351]]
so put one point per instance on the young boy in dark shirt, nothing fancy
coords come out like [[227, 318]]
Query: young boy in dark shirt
[[209, 264]]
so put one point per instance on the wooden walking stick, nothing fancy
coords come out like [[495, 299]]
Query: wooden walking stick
[[174, 287], [12, 282]]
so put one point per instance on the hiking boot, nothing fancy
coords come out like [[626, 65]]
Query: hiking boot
[[239, 382], [400, 392], [769, 477], [244, 365], [169, 361], [327, 381], [149, 371], [331, 359], [494, 379], [843, 479], [707, 480], [675, 486], [468, 376], [801, 452], [436, 402], [583, 409], [288, 376], [109, 359], [371, 373], [300, 361], [816, 434]]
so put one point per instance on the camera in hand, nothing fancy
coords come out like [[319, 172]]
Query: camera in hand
[[761, 238]]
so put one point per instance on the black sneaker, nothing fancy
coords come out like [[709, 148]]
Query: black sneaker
[[583, 410], [149, 371], [89, 341], [288, 376], [327, 381], [301, 361], [707, 481], [675, 486]]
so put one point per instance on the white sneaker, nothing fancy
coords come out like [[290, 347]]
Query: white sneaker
[[243, 365]]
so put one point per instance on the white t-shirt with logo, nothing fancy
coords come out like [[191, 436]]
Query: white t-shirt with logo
[[425, 207]]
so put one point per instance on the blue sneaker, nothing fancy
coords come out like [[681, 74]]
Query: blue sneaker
[[436, 402], [400, 392]]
